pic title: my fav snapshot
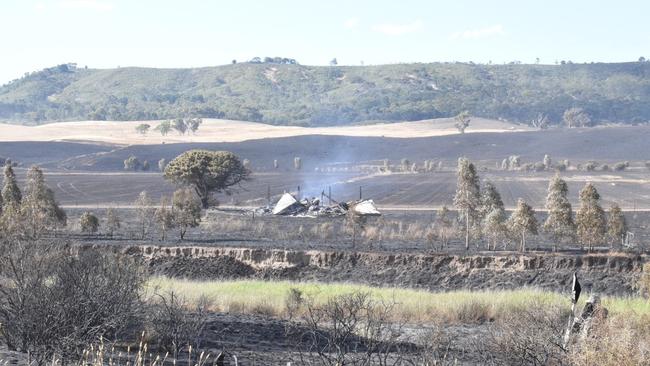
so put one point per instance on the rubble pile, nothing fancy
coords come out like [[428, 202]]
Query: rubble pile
[[288, 205]]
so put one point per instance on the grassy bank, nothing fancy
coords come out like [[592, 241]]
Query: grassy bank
[[269, 298]]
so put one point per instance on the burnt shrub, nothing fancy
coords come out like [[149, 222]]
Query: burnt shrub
[[53, 303]]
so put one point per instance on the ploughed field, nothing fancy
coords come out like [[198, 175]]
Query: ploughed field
[[630, 189]]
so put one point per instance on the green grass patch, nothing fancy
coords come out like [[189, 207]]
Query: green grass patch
[[269, 298]]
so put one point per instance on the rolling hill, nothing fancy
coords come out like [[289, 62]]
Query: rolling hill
[[301, 95]]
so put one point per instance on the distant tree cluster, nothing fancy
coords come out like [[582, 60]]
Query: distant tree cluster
[[273, 60], [142, 128], [576, 117], [181, 125], [132, 163]]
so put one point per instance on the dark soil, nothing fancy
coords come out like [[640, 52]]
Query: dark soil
[[202, 268]]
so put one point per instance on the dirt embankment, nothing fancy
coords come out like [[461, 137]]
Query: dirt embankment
[[605, 274]]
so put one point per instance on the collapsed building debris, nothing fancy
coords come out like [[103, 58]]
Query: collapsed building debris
[[288, 205]]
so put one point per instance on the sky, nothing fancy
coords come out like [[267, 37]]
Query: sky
[[192, 33]]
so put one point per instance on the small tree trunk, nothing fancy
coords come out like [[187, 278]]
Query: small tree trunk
[[204, 202], [467, 229]]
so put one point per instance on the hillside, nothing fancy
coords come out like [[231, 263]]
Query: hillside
[[319, 96]]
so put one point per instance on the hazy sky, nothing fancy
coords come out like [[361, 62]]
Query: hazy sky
[[160, 33]]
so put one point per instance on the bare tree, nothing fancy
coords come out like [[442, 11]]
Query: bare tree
[[356, 223], [144, 211], [540, 121], [186, 210], [164, 217], [112, 221], [444, 227], [547, 162]]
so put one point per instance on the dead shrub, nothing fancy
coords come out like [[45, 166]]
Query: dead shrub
[[617, 341], [350, 329], [174, 324], [53, 303], [525, 336], [438, 347]]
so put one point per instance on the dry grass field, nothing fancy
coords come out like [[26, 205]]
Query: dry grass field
[[215, 130]]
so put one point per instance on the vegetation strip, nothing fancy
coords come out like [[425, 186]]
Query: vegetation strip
[[269, 298]]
